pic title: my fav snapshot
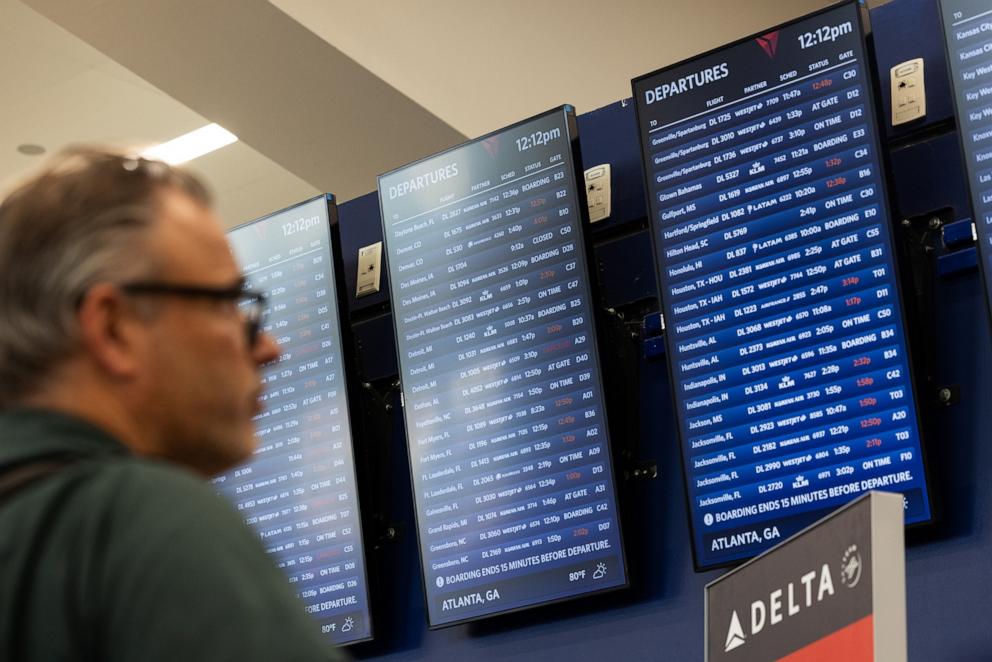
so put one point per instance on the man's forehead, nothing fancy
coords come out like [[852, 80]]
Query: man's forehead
[[188, 240]]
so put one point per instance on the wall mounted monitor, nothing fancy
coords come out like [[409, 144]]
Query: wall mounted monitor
[[968, 35], [299, 490], [503, 395], [784, 325]]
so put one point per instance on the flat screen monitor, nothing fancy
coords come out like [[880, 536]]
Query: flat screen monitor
[[968, 35], [784, 324], [503, 396], [299, 490]]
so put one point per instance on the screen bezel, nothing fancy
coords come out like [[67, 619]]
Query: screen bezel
[[352, 393], [576, 174], [983, 269], [871, 87]]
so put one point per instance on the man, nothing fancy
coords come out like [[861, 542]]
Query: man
[[129, 371]]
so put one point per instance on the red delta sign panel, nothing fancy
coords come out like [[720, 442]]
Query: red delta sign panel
[[835, 591]]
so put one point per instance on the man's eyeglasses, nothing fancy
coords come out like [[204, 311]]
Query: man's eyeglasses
[[251, 303]]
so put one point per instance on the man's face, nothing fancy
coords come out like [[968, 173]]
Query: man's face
[[202, 385]]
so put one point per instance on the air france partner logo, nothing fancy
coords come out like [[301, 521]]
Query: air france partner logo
[[813, 587]]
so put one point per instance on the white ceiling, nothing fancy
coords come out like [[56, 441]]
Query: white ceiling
[[483, 65], [326, 94], [284, 91], [58, 91]]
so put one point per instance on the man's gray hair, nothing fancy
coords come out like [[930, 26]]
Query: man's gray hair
[[81, 221]]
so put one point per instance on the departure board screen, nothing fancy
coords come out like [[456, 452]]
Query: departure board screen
[[968, 34], [503, 399], [780, 294], [299, 491]]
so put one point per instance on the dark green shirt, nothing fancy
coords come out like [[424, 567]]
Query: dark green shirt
[[116, 558]]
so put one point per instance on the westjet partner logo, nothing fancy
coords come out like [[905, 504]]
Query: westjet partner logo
[[813, 587]]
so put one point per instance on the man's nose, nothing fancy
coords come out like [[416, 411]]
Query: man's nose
[[266, 350]]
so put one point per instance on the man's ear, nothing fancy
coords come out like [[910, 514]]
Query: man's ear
[[112, 332]]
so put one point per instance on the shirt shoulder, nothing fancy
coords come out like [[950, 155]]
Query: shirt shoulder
[[152, 497], [185, 578]]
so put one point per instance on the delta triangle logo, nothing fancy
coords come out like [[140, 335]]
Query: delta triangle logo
[[491, 145], [768, 43], [735, 635]]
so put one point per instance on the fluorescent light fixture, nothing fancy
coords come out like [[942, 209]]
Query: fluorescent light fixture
[[191, 145]]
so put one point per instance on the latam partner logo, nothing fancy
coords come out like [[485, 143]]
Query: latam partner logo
[[796, 599], [768, 43]]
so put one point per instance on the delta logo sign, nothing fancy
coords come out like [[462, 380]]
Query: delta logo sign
[[768, 43], [812, 588]]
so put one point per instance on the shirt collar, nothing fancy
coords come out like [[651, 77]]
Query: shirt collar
[[29, 433]]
